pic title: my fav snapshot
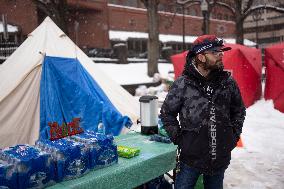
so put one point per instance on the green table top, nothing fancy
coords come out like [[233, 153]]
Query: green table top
[[155, 159]]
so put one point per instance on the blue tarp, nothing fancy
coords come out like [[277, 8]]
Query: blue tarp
[[68, 91]]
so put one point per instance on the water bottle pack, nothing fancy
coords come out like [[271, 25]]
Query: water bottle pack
[[71, 158], [8, 174], [25, 166], [103, 151]]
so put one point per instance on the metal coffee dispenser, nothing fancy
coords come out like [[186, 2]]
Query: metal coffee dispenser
[[149, 114]]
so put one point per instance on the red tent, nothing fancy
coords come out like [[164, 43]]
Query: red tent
[[245, 65], [274, 87], [178, 61]]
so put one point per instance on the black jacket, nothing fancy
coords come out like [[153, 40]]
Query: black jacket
[[211, 115]]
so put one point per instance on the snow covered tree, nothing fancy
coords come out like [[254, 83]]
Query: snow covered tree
[[153, 36]]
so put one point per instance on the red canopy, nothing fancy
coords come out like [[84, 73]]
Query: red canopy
[[178, 61], [274, 87], [245, 65]]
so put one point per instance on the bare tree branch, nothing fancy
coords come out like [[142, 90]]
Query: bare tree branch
[[57, 10], [42, 6], [211, 4], [146, 3], [230, 8], [248, 6], [261, 7], [184, 2]]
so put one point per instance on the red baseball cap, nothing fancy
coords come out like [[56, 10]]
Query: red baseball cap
[[207, 43]]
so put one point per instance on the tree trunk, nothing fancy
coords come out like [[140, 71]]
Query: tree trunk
[[63, 15], [207, 23], [239, 32], [153, 37], [239, 19]]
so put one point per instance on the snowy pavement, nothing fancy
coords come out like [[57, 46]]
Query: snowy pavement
[[126, 74], [260, 163]]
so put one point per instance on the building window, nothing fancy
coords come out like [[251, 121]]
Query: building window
[[179, 10], [131, 3], [192, 12], [112, 1], [130, 45], [137, 45], [168, 8], [179, 46], [186, 11], [219, 16], [188, 46], [226, 17], [144, 45], [161, 7], [269, 40]]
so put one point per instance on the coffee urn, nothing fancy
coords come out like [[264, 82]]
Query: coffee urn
[[149, 114]]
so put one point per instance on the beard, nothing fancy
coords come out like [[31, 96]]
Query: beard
[[218, 65]]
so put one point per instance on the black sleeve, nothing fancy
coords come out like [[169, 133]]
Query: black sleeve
[[170, 109], [237, 110]]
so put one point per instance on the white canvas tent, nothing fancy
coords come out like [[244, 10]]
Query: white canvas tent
[[20, 84]]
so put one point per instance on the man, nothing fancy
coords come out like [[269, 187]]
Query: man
[[211, 114]]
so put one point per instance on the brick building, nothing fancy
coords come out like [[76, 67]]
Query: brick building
[[98, 18], [265, 29]]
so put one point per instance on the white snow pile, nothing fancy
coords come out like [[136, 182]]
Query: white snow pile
[[133, 73], [260, 163]]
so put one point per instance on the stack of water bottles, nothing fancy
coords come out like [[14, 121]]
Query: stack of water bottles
[[8, 175], [71, 158], [26, 166], [103, 150]]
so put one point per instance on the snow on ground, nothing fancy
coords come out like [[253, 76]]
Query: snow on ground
[[124, 35], [260, 163], [134, 73]]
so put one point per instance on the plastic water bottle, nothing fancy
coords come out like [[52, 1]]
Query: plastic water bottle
[[101, 128]]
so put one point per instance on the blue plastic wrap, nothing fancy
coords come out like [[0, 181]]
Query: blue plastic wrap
[[67, 91], [103, 151], [8, 175], [34, 168], [71, 158]]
